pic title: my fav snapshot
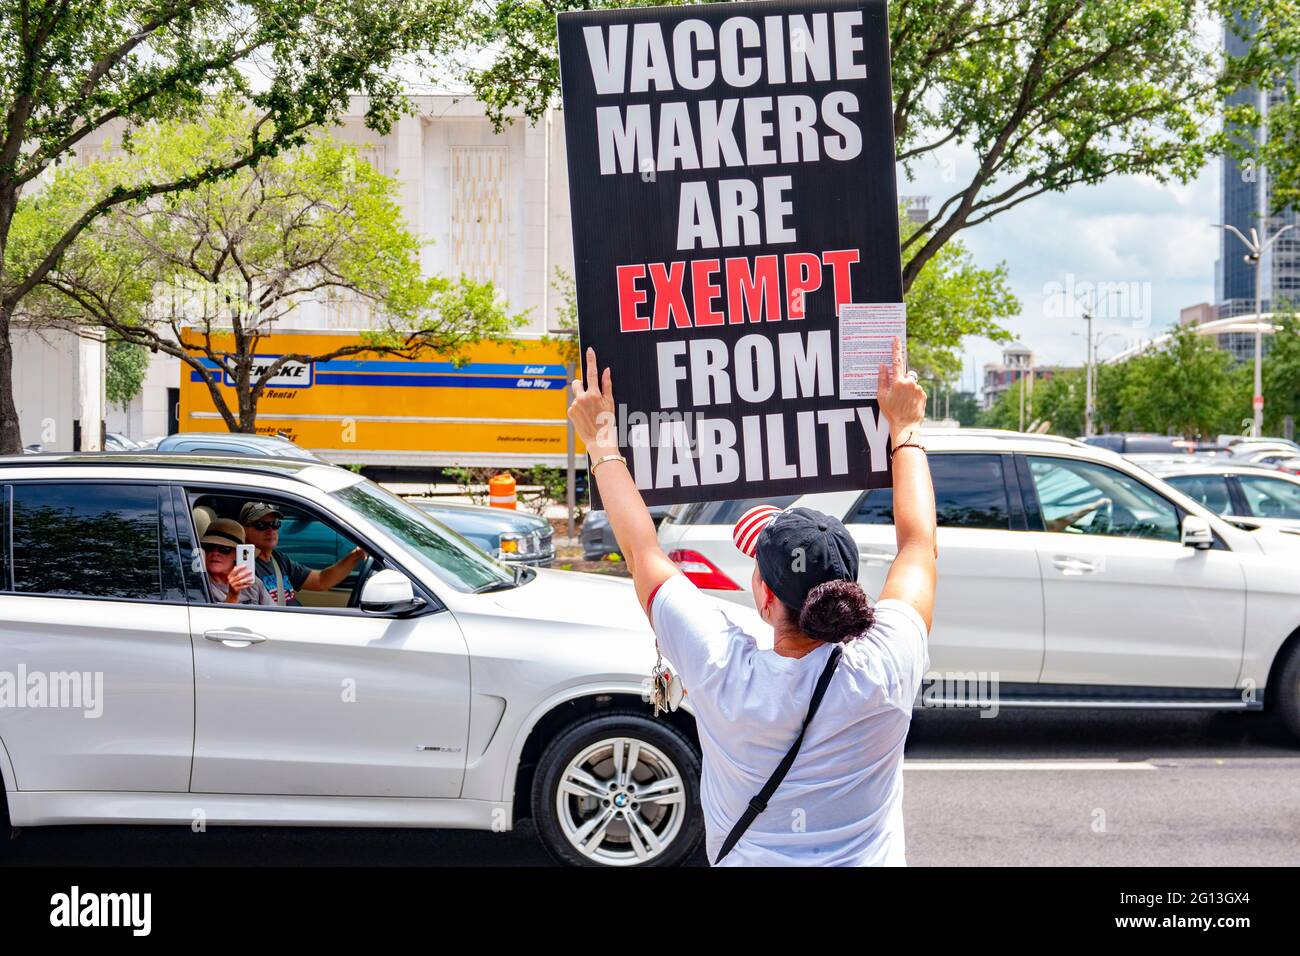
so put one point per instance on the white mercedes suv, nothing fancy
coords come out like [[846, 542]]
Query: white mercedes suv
[[434, 687], [1070, 575]]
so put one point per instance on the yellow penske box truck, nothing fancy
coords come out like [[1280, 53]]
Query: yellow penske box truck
[[504, 408]]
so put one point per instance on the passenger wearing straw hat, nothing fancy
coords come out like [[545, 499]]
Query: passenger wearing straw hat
[[229, 584]]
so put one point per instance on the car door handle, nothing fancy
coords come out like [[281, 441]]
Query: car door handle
[[873, 556], [233, 637], [1068, 564]]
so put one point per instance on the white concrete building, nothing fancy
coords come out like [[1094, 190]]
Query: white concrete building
[[58, 381], [490, 205]]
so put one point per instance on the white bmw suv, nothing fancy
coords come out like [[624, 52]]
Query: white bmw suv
[[433, 687], [1072, 576]]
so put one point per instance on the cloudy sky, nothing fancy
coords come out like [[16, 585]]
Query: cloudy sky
[[1155, 238]]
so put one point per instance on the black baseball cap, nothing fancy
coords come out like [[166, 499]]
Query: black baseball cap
[[801, 548]]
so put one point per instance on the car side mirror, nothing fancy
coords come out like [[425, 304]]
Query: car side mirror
[[1197, 533], [389, 592]]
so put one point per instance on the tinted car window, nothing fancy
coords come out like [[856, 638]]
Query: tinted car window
[[94, 540], [876, 506], [1110, 442], [1144, 445], [196, 584], [969, 492], [1271, 497], [1209, 490], [1081, 497], [5, 494], [727, 512], [1135, 444]]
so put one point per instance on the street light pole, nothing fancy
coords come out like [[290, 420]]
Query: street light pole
[[1255, 256], [1257, 396], [1022, 362], [1089, 363]]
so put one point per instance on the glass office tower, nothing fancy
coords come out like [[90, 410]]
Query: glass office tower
[[1246, 198]]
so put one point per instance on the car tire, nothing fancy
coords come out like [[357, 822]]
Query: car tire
[[588, 813], [1288, 693]]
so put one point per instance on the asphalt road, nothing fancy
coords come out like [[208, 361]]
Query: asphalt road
[[1024, 788], [1114, 789]]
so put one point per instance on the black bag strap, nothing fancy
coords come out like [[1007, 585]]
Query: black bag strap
[[759, 803]]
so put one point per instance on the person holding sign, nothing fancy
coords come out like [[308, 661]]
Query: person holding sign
[[803, 744]]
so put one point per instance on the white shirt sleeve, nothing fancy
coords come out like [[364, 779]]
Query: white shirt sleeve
[[694, 634], [897, 640]]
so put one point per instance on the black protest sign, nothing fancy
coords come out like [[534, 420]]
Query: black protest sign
[[735, 231]]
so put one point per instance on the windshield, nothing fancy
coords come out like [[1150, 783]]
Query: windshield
[[451, 557]]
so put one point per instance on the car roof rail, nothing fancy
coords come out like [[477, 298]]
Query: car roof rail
[[95, 459], [1002, 434]]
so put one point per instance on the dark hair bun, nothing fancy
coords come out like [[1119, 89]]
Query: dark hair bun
[[836, 611]]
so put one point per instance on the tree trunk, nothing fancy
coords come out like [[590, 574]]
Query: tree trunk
[[247, 405], [11, 441]]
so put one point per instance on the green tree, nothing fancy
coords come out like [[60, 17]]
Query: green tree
[[953, 298], [964, 407], [75, 69], [1281, 374], [236, 255], [125, 366], [1005, 411], [1111, 414], [566, 319], [1188, 387], [1057, 401], [1042, 94], [1273, 142]]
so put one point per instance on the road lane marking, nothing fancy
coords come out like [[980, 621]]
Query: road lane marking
[[1057, 765]]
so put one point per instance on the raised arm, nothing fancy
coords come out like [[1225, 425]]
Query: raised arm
[[912, 576], [594, 419]]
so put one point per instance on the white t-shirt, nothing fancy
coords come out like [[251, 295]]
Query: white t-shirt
[[842, 802]]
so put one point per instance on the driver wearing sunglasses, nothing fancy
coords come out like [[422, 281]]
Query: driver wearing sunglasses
[[229, 584], [282, 576]]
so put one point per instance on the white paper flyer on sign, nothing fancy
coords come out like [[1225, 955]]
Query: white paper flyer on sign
[[867, 333]]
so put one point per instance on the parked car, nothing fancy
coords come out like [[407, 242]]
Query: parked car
[[1253, 449], [226, 444], [509, 535], [436, 688], [1140, 443], [1245, 493], [598, 537], [115, 441], [1076, 577], [1280, 460], [1238, 444]]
